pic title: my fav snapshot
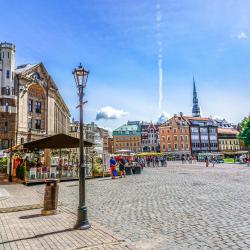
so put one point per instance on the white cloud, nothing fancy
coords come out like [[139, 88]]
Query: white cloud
[[109, 113], [242, 35], [163, 117]]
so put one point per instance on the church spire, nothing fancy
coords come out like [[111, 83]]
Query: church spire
[[196, 108]]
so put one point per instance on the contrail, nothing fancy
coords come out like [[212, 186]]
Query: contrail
[[160, 54]]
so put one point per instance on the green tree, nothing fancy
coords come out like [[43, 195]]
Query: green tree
[[245, 131]]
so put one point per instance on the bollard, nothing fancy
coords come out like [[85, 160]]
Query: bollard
[[50, 197]]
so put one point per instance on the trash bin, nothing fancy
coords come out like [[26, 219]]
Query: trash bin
[[50, 197], [128, 170], [137, 169]]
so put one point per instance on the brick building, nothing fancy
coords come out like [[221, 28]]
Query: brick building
[[174, 136]]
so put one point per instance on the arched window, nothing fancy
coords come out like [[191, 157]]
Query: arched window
[[6, 107]]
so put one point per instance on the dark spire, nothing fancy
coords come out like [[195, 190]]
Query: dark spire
[[196, 108]]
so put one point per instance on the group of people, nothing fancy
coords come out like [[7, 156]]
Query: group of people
[[121, 165], [188, 158], [156, 161]]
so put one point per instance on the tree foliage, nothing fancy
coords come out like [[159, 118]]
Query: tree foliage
[[245, 131]]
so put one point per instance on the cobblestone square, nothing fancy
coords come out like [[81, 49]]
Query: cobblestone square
[[177, 207], [181, 206]]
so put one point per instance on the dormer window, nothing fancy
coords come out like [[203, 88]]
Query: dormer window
[[36, 76]]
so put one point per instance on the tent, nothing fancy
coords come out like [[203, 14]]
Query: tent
[[56, 142]]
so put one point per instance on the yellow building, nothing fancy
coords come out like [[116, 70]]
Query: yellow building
[[127, 137], [228, 140]]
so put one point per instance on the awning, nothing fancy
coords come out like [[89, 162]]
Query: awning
[[56, 142], [235, 152]]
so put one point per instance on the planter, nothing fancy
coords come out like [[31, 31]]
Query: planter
[[128, 170], [137, 170]]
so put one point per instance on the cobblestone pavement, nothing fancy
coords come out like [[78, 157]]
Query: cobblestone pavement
[[23, 227], [178, 207]]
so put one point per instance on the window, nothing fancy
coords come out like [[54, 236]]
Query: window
[[181, 138], [203, 130], [186, 138], [30, 105], [194, 130], [175, 146], [5, 144], [5, 127], [12, 91], [175, 138], [7, 74], [38, 107], [22, 140], [168, 138], [7, 91], [175, 130], [30, 123], [8, 54], [163, 146], [38, 124], [6, 107]]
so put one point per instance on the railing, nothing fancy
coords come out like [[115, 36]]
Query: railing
[[66, 172]]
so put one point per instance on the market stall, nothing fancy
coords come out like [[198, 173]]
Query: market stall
[[39, 164]]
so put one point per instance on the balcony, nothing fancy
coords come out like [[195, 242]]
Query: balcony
[[37, 131]]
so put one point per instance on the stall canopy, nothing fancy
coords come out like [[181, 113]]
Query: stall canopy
[[56, 142]]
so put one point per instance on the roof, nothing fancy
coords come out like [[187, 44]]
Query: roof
[[228, 131], [56, 142], [196, 118], [126, 127], [22, 68]]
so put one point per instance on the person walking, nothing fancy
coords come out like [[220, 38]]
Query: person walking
[[162, 161], [213, 160], [122, 167], [207, 162], [182, 159]]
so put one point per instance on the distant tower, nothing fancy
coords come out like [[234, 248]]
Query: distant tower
[[196, 108], [7, 94]]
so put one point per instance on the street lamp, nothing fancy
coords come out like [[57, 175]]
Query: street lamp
[[81, 77]]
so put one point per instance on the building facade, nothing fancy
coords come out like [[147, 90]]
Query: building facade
[[174, 136], [111, 145], [92, 133], [8, 95], [228, 139], [31, 105], [150, 139], [203, 135], [128, 137]]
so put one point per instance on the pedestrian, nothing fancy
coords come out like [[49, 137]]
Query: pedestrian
[[113, 171], [207, 161], [195, 159], [213, 160], [248, 161], [122, 167], [182, 159], [190, 159], [162, 161]]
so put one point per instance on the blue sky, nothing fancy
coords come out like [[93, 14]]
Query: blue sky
[[121, 43]]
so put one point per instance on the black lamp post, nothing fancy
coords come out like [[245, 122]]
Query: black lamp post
[[10, 166], [81, 77]]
